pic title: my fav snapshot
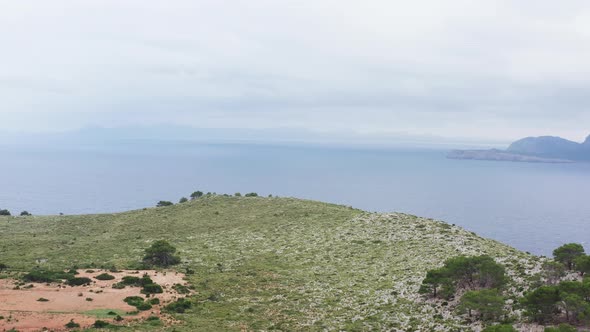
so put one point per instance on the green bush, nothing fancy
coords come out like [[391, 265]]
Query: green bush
[[164, 203], [72, 325], [79, 281], [131, 281], [118, 285], [133, 301], [100, 324], [4, 213], [105, 276], [181, 289], [152, 289], [40, 275], [25, 213], [155, 301], [42, 299], [144, 306], [251, 195], [183, 200], [180, 306]]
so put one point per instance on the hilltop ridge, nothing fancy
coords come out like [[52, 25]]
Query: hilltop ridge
[[274, 263]]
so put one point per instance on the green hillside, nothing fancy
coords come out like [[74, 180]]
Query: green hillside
[[272, 263]]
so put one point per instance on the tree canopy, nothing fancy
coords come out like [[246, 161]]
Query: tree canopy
[[196, 194], [161, 253], [488, 303], [567, 253], [464, 272]]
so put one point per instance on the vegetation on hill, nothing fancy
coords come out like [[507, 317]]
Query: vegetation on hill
[[287, 264]]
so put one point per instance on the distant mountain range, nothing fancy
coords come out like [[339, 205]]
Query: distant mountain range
[[544, 149]]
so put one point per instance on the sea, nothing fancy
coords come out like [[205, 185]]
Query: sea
[[531, 206]]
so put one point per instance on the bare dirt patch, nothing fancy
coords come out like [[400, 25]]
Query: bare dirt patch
[[23, 311]]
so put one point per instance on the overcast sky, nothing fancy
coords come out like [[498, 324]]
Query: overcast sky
[[478, 69]]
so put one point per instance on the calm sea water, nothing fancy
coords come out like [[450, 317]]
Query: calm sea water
[[533, 207]]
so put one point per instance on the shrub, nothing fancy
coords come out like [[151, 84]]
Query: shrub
[[152, 289], [133, 301], [155, 301], [40, 275], [72, 325], [251, 195], [164, 203], [183, 200], [131, 281], [42, 299], [161, 253], [25, 213], [105, 276], [100, 324], [153, 318], [3, 267], [118, 285], [144, 306], [181, 289], [79, 281], [180, 306], [4, 213], [237, 194]]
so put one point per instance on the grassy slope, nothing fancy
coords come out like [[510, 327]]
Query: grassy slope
[[270, 263]]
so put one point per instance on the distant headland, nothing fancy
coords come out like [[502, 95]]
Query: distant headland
[[544, 149]]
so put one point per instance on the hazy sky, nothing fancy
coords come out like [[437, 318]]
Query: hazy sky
[[480, 69]]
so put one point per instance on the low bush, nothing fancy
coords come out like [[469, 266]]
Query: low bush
[[100, 324], [105, 276], [181, 289], [42, 276], [72, 325], [79, 281], [144, 306], [130, 281], [155, 301], [152, 289], [118, 285], [180, 306], [133, 301]]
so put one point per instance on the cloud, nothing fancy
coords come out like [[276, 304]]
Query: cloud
[[490, 69]]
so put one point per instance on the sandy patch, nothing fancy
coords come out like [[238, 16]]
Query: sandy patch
[[22, 310]]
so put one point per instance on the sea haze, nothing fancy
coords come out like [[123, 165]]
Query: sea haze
[[533, 207]]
